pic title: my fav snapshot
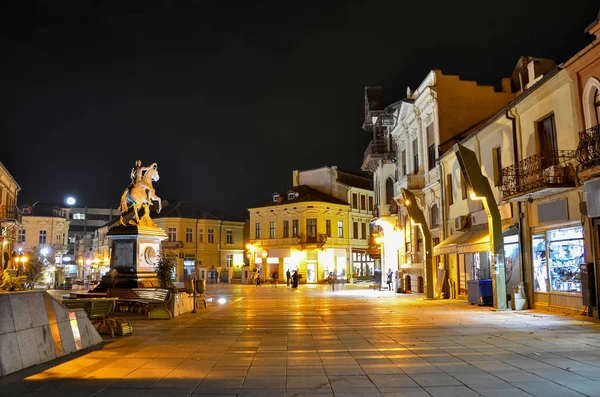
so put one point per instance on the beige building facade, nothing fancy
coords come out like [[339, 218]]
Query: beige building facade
[[10, 218]]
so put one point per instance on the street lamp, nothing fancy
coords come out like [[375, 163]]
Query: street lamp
[[70, 200]]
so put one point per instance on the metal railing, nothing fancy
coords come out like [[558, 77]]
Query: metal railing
[[172, 244], [588, 150], [535, 172], [313, 239], [10, 213]]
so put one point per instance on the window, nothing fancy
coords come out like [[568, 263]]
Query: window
[[257, 230], [295, 228], [597, 106], [363, 202], [497, 159], [291, 195], [78, 216], [42, 239], [435, 216], [354, 200], [341, 229], [172, 233], [189, 235], [430, 147], [403, 162], [547, 142], [355, 230], [211, 236], [463, 187], [415, 148], [57, 238], [229, 236], [431, 156], [449, 195], [363, 231], [389, 190], [311, 227], [286, 229], [328, 227], [201, 236], [21, 236], [229, 260], [272, 229], [419, 237], [557, 255], [371, 203]]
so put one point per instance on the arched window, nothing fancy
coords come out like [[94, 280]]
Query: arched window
[[597, 106], [435, 216], [389, 190]]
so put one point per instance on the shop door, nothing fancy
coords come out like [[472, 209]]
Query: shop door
[[311, 273]]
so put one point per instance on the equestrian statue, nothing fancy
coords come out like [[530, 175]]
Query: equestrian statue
[[140, 194]]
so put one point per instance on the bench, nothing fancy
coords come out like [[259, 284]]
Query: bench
[[152, 302], [97, 310]]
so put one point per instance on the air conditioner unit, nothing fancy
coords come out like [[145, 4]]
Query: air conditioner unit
[[479, 218], [461, 222]]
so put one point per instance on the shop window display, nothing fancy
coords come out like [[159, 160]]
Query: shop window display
[[557, 256]]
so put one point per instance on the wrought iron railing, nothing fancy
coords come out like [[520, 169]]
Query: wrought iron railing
[[10, 213], [535, 172], [313, 239], [588, 150]]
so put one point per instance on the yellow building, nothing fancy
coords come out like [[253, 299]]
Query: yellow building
[[10, 217], [300, 229], [202, 240]]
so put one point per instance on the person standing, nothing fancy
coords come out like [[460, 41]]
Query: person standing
[[288, 277], [295, 279], [389, 279]]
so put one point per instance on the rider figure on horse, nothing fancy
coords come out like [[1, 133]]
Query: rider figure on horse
[[137, 176]]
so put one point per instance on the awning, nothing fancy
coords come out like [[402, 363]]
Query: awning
[[477, 239]]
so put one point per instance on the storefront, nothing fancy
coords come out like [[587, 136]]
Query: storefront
[[469, 258], [556, 256], [363, 265]]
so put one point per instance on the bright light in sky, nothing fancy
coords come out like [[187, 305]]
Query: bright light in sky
[[70, 200]]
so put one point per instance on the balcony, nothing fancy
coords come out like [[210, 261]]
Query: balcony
[[383, 149], [172, 244], [538, 176], [10, 213], [588, 153], [410, 181], [317, 240]]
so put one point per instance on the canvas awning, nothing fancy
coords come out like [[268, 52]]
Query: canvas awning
[[476, 239]]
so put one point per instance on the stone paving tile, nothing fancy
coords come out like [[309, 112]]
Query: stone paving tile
[[451, 391], [589, 388], [546, 389]]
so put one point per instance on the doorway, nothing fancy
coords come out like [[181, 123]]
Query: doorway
[[311, 273]]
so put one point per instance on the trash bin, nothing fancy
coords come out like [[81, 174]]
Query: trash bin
[[479, 292], [201, 286]]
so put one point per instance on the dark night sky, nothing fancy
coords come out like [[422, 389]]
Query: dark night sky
[[228, 99]]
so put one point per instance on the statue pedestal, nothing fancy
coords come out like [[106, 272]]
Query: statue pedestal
[[135, 250]]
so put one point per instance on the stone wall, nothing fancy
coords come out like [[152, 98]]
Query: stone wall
[[35, 328]]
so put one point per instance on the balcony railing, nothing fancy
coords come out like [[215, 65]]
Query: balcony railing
[[172, 244], [313, 239], [588, 150], [378, 149], [10, 213], [551, 169]]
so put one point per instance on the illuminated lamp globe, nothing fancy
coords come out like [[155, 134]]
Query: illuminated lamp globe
[[44, 251], [70, 200]]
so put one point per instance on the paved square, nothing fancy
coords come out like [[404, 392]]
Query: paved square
[[266, 341]]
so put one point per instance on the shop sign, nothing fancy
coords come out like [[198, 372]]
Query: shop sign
[[189, 256]]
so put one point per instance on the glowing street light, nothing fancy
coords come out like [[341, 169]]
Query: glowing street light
[[45, 251], [70, 200]]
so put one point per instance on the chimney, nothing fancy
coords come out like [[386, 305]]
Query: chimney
[[295, 178], [505, 83]]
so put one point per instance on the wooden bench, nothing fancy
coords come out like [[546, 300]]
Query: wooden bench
[[152, 302], [97, 310]]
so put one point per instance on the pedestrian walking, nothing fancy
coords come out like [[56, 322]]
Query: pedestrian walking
[[295, 279], [389, 279], [288, 277], [257, 278]]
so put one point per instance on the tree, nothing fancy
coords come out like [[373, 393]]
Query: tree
[[164, 267], [34, 268]]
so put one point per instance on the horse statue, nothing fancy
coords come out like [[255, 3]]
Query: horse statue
[[141, 193]]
